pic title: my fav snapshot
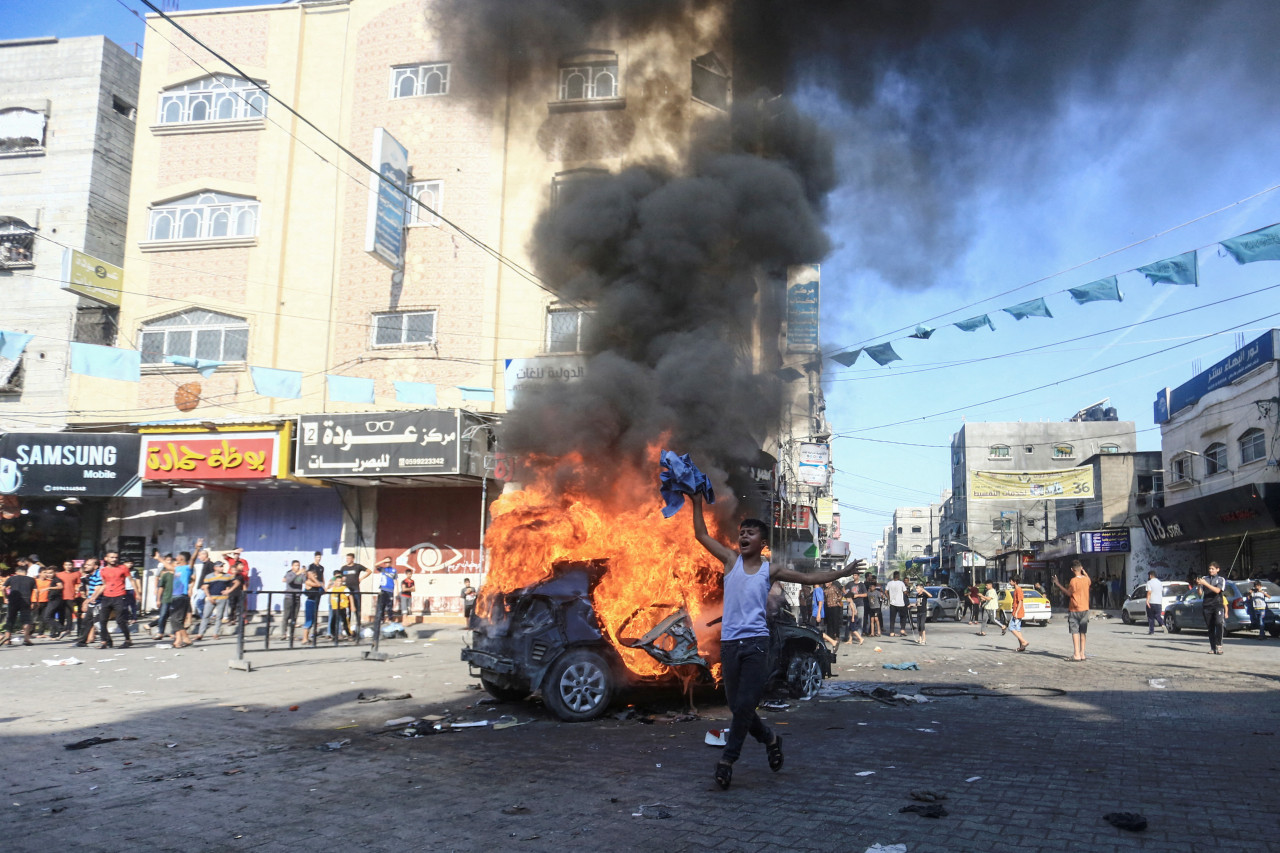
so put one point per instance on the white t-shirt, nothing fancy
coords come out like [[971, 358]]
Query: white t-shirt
[[1155, 588], [897, 591]]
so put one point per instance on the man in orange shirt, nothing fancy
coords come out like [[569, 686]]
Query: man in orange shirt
[[1077, 593], [70, 586], [1018, 613]]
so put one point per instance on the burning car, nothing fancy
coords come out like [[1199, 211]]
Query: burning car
[[548, 637]]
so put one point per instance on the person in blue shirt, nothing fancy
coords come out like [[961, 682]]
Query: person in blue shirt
[[386, 590], [180, 601], [744, 631]]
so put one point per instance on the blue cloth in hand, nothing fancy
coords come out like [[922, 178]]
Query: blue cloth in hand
[[681, 477]]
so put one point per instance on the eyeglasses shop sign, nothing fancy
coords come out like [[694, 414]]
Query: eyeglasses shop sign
[[379, 445], [84, 465]]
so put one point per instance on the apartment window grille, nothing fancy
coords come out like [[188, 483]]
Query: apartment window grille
[[204, 216], [194, 334], [431, 194], [219, 97], [17, 243], [404, 328], [566, 329], [418, 80], [589, 81]]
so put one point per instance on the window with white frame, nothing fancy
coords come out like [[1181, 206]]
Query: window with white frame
[[1215, 458], [589, 80], [566, 328], [419, 79], [1063, 451], [204, 216], [1180, 469], [22, 131], [1253, 446], [195, 333], [431, 196], [404, 328], [998, 451], [711, 81], [17, 243], [219, 97]]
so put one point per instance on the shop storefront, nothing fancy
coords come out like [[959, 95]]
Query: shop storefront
[[411, 487], [55, 487], [1238, 528]]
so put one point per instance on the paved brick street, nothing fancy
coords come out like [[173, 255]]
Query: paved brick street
[[221, 763]]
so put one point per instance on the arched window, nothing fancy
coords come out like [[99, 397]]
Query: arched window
[[1109, 448], [1063, 451], [592, 75], [1253, 446], [204, 216], [419, 79], [195, 333], [219, 97], [1215, 458]]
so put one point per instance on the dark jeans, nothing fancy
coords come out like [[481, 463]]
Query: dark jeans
[[162, 618], [833, 616], [120, 606], [289, 613], [386, 608], [746, 670], [1155, 616], [1214, 621], [898, 613]]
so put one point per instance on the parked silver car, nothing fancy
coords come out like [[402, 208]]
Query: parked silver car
[[1135, 606], [945, 603], [1188, 610]]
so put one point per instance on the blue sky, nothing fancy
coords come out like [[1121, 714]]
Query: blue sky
[[1121, 157]]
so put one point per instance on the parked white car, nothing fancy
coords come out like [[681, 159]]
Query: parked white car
[[1135, 606]]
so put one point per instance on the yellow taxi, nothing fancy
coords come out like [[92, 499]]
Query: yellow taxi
[[1033, 602]]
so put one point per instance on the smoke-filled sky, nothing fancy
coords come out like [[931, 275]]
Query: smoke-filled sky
[[986, 153]]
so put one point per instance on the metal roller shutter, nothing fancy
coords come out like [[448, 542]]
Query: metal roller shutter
[[1224, 552], [1266, 555]]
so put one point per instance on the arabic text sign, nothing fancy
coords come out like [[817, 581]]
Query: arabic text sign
[[1062, 484], [199, 456], [384, 229], [802, 308], [1242, 361], [1102, 541], [525, 373], [814, 459], [71, 464], [92, 277], [379, 444]]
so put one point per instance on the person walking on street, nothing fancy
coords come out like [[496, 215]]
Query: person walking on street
[[833, 612], [858, 612], [19, 590], [1215, 606], [897, 592], [922, 610], [974, 598], [1077, 593], [1258, 599], [70, 596], [164, 594], [744, 632], [819, 605], [875, 608], [113, 598], [990, 607], [1017, 613], [1155, 602]]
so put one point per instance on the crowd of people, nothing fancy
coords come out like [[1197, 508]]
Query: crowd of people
[[196, 597]]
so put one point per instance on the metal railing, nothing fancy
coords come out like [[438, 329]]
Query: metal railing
[[333, 639]]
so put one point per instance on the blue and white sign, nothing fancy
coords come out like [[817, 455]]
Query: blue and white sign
[[1244, 360], [384, 231], [803, 286]]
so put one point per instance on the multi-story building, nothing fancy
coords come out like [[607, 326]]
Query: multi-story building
[[255, 244], [1218, 436], [996, 518], [915, 536], [66, 141]]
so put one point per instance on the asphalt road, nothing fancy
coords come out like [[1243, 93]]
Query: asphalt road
[[1149, 724]]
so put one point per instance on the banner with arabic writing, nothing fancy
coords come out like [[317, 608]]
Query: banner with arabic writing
[[1061, 484], [379, 444], [209, 456]]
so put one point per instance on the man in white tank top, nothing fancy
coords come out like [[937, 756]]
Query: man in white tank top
[[744, 631]]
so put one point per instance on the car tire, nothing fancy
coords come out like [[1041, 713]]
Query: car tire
[[1171, 622], [579, 686], [958, 614], [1125, 617], [804, 674], [501, 692]]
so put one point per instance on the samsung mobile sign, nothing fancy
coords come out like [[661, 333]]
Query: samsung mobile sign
[[72, 464], [384, 230]]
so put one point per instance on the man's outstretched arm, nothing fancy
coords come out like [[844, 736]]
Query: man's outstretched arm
[[781, 573], [714, 546]]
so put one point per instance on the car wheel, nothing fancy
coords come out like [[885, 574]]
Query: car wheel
[[804, 675], [1274, 630], [1125, 617], [579, 686], [501, 692], [958, 614], [1171, 622]]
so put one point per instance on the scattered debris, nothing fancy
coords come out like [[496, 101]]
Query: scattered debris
[[877, 649], [1131, 821], [166, 677], [933, 810], [658, 811], [907, 665], [927, 796], [233, 772], [470, 724], [64, 662], [774, 705], [506, 721], [398, 721], [887, 848], [928, 731], [715, 737], [333, 745], [517, 809], [383, 697], [161, 777], [973, 779], [94, 741], [293, 707], [84, 770], [865, 773], [1158, 683], [170, 745]]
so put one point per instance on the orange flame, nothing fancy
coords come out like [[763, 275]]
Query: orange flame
[[655, 565]]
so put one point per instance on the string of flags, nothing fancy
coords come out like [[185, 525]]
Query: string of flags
[[1183, 269], [125, 365]]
